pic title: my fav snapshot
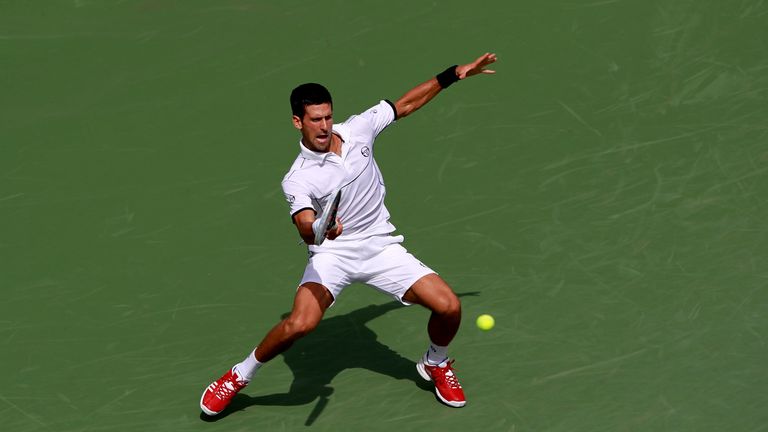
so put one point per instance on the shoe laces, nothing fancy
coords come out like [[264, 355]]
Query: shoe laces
[[229, 387], [448, 376]]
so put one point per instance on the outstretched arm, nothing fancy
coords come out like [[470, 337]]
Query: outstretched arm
[[418, 96]]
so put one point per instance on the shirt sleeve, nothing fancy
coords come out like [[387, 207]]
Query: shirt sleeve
[[380, 116], [297, 197]]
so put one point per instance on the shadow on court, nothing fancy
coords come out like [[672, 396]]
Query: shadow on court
[[339, 343]]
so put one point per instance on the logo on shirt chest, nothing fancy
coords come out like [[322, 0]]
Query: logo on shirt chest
[[365, 151]]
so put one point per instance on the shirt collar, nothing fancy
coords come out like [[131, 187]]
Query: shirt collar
[[313, 155]]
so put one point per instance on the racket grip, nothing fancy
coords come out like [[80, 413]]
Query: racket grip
[[317, 229]]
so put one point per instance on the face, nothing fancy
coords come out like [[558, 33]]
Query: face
[[316, 126]]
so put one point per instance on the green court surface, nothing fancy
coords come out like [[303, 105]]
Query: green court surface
[[604, 196]]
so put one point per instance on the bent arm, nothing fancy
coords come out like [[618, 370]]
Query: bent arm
[[304, 220], [418, 96]]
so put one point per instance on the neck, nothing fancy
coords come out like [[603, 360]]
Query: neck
[[335, 144]]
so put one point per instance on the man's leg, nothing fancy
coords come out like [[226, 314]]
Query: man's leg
[[309, 305], [432, 292]]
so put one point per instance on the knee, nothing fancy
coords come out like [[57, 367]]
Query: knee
[[297, 327], [448, 305]]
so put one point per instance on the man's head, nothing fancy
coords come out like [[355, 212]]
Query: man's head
[[309, 94], [312, 109]]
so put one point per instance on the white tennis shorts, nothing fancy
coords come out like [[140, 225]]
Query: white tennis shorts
[[378, 261]]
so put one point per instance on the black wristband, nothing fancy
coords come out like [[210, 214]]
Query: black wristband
[[447, 77]]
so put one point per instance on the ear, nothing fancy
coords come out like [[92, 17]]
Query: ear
[[297, 122]]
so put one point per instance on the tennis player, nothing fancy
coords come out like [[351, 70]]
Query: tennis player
[[360, 247]]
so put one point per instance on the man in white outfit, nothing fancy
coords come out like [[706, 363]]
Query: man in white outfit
[[360, 248]]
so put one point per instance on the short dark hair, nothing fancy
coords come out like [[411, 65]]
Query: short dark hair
[[309, 94]]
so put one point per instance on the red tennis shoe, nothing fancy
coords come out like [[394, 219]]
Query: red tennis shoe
[[447, 385], [217, 396]]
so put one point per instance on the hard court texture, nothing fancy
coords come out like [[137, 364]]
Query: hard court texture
[[604, 196]]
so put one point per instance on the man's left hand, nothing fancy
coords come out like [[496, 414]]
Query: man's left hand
[[477, 66]]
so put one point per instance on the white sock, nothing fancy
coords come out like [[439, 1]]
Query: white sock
[[436, 354], [248, 367]]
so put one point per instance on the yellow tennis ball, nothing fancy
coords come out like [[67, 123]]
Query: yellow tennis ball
[[485, 322]]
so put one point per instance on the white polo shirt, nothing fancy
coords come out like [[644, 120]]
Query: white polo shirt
[[314, 176]]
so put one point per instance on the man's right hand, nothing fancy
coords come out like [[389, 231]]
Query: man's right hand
[[335, 231]]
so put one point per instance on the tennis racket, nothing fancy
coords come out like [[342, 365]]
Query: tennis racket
[[328, 218]]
